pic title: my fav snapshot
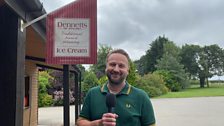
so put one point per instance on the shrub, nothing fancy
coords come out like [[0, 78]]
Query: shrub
[[59, 97], [153, 91], [171, 80], [132, 76], [90, 80], [43, 82], [153, 84], [44, 100], [103, 80]]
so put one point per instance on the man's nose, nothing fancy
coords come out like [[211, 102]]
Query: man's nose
[[116, 68]]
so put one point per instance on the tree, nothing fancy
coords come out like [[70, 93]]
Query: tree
[[90, 80], [220, 67], [169, 79], [132, 76], [154, 53], [169, 63], [147, 62], [170, 48], [141, 65], [210, 63], [82, 70], [203, 62], [99, 68], [189, 58], [44, 80]]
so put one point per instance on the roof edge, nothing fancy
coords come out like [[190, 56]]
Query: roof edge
[[29, 10]]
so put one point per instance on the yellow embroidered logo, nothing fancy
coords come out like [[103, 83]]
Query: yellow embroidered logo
[[128, 105]]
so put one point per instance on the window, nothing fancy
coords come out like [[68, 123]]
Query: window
[[27, 92]]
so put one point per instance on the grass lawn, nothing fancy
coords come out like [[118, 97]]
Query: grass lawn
[[195, 91]]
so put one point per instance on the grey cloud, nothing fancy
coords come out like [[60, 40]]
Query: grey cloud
[[142, 20], [134, 24]]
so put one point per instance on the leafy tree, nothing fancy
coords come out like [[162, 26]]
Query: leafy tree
[[179, 77], [154, 53], [210, 62], [141, 65], [148, 61], [189, 58], [90, 80], [132, 76], [99, 68], [203, 62], [44, 80], [170, 48], [169, 79], [220, 67], [82, 70], [170, 62], [58, 77]]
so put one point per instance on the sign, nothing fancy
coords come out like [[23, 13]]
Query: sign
[[71, 37], [72, 34]]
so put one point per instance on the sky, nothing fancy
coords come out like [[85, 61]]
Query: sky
[[133, 24]]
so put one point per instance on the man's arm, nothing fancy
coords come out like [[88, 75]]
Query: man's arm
[[84, 122]]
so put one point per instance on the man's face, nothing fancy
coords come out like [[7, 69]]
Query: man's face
[[117, 68]]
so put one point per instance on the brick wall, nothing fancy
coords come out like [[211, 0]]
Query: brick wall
[[31, 113]]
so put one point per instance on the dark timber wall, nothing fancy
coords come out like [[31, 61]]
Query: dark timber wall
[[12, 54]]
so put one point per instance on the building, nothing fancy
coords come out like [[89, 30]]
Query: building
[[22, 54]]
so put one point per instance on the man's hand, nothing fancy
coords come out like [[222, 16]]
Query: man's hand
[[109, 119]]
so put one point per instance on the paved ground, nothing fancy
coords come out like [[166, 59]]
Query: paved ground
[[53, 116], [203, 111], [206, 111]]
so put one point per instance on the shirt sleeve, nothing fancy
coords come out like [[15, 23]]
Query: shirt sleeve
[[85, 112], [148, 117]]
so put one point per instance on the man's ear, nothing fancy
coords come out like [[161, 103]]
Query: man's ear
[[105, 69]]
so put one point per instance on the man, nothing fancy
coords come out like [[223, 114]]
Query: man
[[133, 106]]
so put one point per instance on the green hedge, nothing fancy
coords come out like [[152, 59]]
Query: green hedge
[[152, 84], [44, 100]]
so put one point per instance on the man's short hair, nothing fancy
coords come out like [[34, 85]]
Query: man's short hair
[[120, 51]]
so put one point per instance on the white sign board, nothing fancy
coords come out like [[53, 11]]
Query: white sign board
[[72, 37]]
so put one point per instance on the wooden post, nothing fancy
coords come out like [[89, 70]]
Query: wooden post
[[76, 96], [66, 95], [12, 68]]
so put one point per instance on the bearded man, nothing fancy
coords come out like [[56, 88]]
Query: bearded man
[[133, 106]]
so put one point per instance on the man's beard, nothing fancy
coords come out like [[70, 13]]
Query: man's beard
[[117, 81]]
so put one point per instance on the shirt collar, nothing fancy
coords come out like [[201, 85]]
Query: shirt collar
[[126, 89]]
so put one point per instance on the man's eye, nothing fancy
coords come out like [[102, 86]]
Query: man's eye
[[112, 64], [121, 66]]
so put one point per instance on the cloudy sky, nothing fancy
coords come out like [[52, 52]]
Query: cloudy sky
[[134, 24]]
